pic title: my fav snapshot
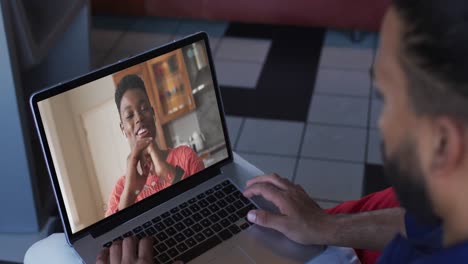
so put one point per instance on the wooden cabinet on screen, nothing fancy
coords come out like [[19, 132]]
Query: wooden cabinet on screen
[[168, 87], [173, 91]]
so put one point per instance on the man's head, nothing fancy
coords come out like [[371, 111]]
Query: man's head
[[136, 113], [422, 73]]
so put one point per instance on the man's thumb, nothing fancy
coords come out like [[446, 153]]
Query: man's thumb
[[266, 219]]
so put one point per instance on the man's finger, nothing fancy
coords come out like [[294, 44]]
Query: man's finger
[[129, 250], [145, 249], [103, 256], [268, 219], [269, 192], [274, 179], [115, 252]]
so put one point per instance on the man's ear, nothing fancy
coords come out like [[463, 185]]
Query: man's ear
[[122, 129], [448, 145]]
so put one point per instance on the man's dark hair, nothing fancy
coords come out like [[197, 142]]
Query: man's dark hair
[[434, 55], [130, 81]]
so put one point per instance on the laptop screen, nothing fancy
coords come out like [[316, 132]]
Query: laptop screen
[[124, 137]]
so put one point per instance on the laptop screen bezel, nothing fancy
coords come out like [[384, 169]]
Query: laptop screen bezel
[[106, 224]]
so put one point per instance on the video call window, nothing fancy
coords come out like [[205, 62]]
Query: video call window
[[125, 137]]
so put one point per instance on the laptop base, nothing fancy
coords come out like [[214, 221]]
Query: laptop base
[[257, 244]]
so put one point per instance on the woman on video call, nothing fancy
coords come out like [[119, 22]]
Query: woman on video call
[[159, 168]]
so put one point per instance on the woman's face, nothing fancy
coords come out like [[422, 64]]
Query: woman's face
[[137, 116]]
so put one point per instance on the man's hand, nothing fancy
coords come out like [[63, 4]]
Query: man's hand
[[301, 219], [128, 251]]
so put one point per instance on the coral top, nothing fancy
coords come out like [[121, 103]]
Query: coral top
[[183, 156]]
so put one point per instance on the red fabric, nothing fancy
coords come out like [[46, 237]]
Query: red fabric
[[120, 7], [175, 8], [184, 157], [379, 200], [356, 14]]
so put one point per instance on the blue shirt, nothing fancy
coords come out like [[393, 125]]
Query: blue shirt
[[422, 245]]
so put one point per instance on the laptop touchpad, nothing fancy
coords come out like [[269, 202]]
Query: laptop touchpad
[[233, 256]]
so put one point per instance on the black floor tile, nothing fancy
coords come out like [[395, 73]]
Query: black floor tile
[[287, 80], [374, 179]]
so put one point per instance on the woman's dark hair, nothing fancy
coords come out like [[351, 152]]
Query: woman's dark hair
[[434, 55], [130, 81]]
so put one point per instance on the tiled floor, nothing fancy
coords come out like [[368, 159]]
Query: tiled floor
[[270, 137], [327, 143]]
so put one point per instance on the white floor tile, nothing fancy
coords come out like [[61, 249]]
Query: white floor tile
[[330, 180], [238, 74], [214, 44], [283, 166], [343, 82], [347, 58], [242, 49], [374, 155], [334, 142], [233, 125], [339, 110], [270, 137]]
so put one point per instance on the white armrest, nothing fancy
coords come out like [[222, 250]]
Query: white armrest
[[52, 250]]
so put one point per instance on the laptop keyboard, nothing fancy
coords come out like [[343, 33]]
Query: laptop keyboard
[[197, 225]]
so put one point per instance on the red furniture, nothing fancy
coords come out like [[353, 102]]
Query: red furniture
[[345, 14]]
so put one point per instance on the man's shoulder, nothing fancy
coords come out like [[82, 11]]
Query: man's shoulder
[[454, 254], [429, 233], [422, 244]]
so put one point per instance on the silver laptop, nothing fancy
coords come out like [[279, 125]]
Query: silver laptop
[[140, 148]]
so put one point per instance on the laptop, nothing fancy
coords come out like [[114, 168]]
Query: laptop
[[141, 148]]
